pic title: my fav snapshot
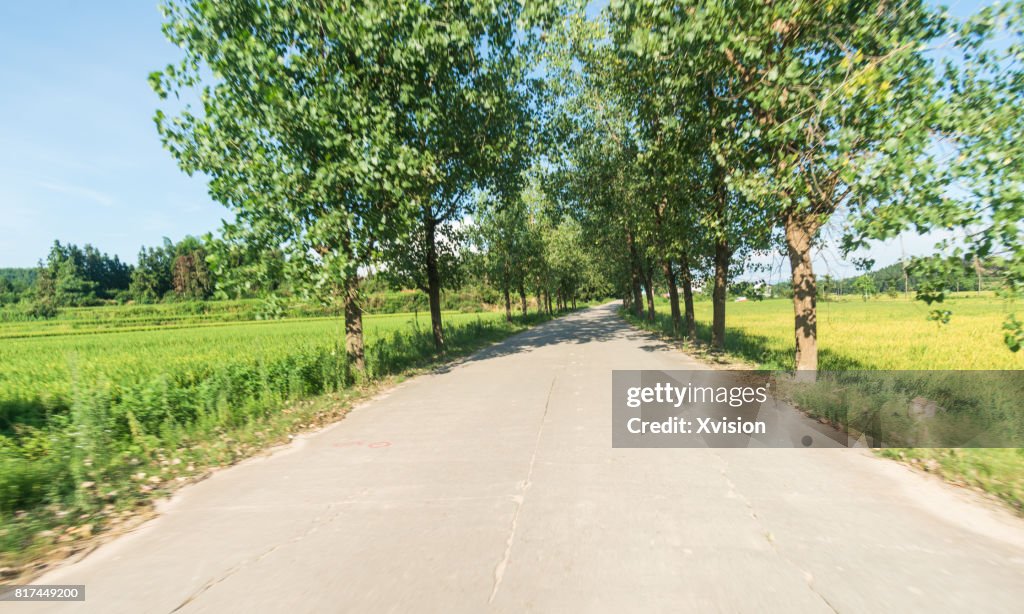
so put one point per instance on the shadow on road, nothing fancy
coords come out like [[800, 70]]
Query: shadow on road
[[600, 323]]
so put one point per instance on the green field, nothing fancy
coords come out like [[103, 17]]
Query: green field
[[881, 333], [41, 365], [105, 407]]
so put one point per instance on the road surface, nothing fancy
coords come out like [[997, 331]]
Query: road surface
[[492, 486]]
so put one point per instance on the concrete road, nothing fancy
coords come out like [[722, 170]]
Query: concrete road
[[493, 486]]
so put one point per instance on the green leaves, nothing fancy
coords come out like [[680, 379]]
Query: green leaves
[[960, 174], [325, 127]]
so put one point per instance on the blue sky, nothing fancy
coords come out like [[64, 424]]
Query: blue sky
[[80, 159]]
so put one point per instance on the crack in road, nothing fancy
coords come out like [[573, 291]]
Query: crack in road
[[314, 526], [499, 570], [807, 576]]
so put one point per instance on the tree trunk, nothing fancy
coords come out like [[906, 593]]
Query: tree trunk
[[434, 284], [508, 305], [673, 295], [649, 292], [799, 233], [634, 277], [691, 320], [721, 260], [638, 301], [718, 294], [354, 324], [522, 298], [977, 271]]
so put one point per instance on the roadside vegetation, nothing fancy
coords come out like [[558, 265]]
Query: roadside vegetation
[[997, 471]]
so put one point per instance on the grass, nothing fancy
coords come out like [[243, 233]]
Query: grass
[[881, 333], [98, 418], [999, 472], [43, 369], [885, 334]]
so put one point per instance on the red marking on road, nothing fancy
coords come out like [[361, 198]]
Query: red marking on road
[[380, 444]]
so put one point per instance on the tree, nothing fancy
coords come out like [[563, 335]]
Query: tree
[[87, 273], [503, 235], [687, 136], [565, 253], [190, 274], [108, 272], [240, 269], [7, 292], [63, 285], [469, 124], [594, 150], [406, 257], [840, 98], [865, 286], [301, 128], [828, 287], [152, 277], [64, 280], [804, 107]]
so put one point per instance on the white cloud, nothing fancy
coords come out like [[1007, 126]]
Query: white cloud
[[95, 196]]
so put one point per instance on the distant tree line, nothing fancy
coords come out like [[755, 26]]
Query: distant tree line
[[14, 282], [178, 270], [914, 276], [521, 250], [73, 276]]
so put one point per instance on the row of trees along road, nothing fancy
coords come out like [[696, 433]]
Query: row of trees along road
[[657, 142], [702, 131], [350, 133]]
